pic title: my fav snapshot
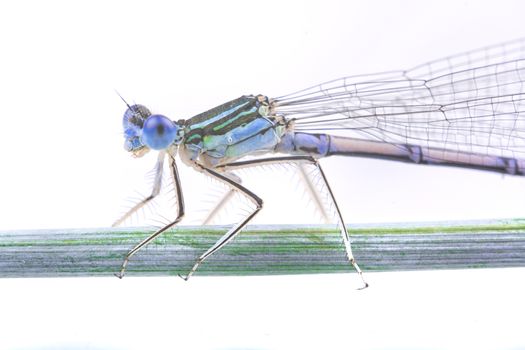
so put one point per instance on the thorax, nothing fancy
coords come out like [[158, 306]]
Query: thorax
[[230, 131]]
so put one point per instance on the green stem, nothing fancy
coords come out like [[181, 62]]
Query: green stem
[[262, 250]]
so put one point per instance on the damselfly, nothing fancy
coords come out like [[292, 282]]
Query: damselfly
[[465, 110]]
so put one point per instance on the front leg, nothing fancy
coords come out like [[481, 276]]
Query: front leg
[[180, 215], [157, 184]]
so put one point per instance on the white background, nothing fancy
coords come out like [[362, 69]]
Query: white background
[[63, 165]]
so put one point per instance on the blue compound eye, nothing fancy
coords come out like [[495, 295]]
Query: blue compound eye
[[159, 132]]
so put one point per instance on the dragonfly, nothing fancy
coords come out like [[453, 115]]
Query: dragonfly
[[466, 110]]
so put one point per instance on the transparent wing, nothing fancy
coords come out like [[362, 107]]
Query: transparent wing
[[472, 102]]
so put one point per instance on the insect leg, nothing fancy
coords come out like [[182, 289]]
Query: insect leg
[[313, 161], [312, 190], [227, 196], [228, 236], [180, 215], [157, 184]]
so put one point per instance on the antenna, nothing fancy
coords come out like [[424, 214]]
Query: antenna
[[122, 98]]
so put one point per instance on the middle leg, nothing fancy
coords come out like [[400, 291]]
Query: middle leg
[[228, 236]]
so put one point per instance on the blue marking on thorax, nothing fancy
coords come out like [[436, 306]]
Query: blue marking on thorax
[[258, 135]]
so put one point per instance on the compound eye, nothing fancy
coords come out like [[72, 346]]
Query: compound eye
[[159, 132]]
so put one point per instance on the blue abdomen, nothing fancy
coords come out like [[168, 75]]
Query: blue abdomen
[[317, 145]]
